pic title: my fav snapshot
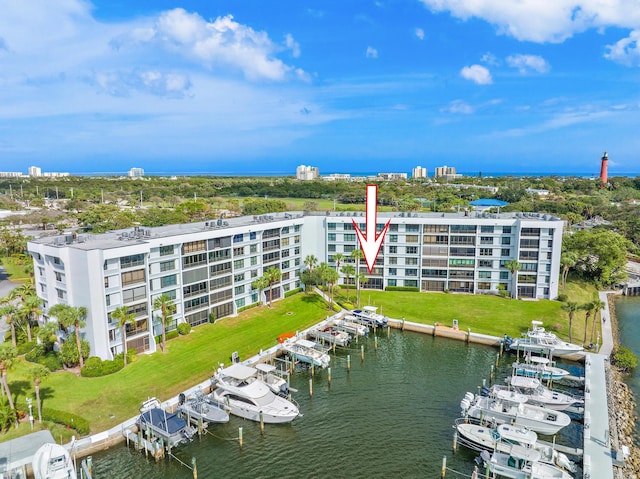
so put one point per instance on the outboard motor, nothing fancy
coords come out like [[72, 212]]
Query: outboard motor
[[464, 406], [484, 391], [284, 389], [469, 396], [508, 341], [181, 399]]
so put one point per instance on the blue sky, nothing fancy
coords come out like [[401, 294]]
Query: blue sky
[[351, 86]]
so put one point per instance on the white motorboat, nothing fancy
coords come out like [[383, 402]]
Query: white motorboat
[[369, 315], [329, 335], [239, 389], [268, 374], [538, 340], [349, 325], [306, 351], [512, 409], [538, 367], [502, 438], [536, 393], [522, 463], [198, 407], [52, 461]]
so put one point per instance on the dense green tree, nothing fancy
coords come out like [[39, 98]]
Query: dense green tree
[[69, 316], [260, 284], [357, 255], [260, 206], [167, 308], [8, 312], [273, 275], [8, 355], [349, 271]]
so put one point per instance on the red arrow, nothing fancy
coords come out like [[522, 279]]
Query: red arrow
[[369, 242]]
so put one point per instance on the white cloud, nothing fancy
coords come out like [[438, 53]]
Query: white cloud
[[544, 20], [478, 74], [292, 45], [371, 52], [490, 59], [459, 107], [528, 63], [626, 50], [155, 82], [419, 32]]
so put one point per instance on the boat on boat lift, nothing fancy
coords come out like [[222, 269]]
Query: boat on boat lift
[[307, 351], [350, 325], [501, 438], [170, 427], [369, 315], [199, 407], [538, 367], [536, 393], [521, 463], [329, 335], [538, 340]]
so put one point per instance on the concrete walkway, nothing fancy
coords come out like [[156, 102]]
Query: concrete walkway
[[6, 287], [605, 322]]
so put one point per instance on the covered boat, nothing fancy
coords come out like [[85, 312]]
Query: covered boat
[[369, 315], [307, 352], [329, 335], [170, 427], [349, 325], [52, 461], [199, 407]]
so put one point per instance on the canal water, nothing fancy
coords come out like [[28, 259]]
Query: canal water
[[628, 316], [390, 416]]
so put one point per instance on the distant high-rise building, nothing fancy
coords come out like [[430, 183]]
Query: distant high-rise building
[[445, 172], [136, 172], [306, 173], [392, 176], [603, 168], [35, 171], [419, 172]]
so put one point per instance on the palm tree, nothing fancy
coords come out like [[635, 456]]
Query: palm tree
[[8, 355], [8, 415], [8, 312], [273, 275], [587, 308], [33, 303], [38, 373], [330, 275], [338, 258], [260, 284], [167, 309], [23, 292], [598, 306], [123, 317], [567, 261], [311, 261], [357, 254], [570, 307], [361, 279], [513, 265], [348, 270], [70, 316]]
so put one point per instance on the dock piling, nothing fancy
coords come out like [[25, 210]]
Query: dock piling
[[375, 342], [388, 332], [329, 376], [362, 353], [261, 423], [310, 387], [195, 468], [349, 362], [444, 466], [455, 441], [240, 436]]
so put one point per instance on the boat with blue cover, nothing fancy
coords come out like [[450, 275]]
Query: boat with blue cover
[[369, 315], [154, 421]]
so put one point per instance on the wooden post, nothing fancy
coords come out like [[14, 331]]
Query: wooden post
[[240, 436], [312, 369], [362, 353], [329, 376], [388, 332], [348, 362], [444, 466], [491, 375], [435, 326], [261, 423], [468, 335], [455, 441], [195, 468], [402, 327], [310, 387], [375, 342]]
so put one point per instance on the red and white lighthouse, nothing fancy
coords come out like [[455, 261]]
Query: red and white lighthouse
[[603, 168]]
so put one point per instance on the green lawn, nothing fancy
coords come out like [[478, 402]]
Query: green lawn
[[15, 270], [109, 400]]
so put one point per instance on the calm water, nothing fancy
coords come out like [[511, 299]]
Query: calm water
[[628, 316], [391, 416]]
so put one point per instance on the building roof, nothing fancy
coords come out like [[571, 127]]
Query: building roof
[[488, 202], [17, 453]]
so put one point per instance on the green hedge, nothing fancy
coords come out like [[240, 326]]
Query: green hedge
[[346, 305], [249, 306], [184, 328], [412, 289], [24, 348], [336, 307], [50, 360], [292, 292], [78, 423], [95, 367]]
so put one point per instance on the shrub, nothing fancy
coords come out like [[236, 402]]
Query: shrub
[[563, 297], [171, 334], [625, 359], [184, 328], [292, 292], [51, 361], [403, 288], [35, 354], [336, 307], [24, 348], [92, 367], [71, 420], [244, 308]]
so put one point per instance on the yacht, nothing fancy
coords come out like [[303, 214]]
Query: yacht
[[479, 437], [522, 463], [536, 393], [538, 367], [52, 461], [538, 340], [307, 352], [198, 407], [350, 325], [329, 335], [513, 409], [170, 427], [239, 389], [369, 315]]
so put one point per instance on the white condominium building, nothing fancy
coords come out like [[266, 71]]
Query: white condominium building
[[419, 172], [208, 268], [306, 173]]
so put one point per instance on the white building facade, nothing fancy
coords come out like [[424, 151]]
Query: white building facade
[[208, 268], [307, 173], [419, 172]]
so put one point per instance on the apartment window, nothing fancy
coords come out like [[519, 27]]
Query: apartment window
[[461, 263], [411, 272], [506, 230], [393, 238], [393, 272], [238, 277], [411, 261], [529, 255], [412, 238], [484, 274], [132, 277], [526, 278], [238, 238], [285, 264], [393, 228], [198, 318], [393, 249], [57, 261], [296, 228], [530, 232], [106, 282], [240, 302], [218, 283], [215, 243], [253, 248], [411, 283], [392, 282], [438, 239], [486, 240], [464, 251], [463, 228], [463, 240], [238, 289], [168, 265], [166, 250], [392, 260], [547, 267], [505, 252], [331, 226], [412, 228], [549, 243], [194, 246], [238, 264], [348, 248], [529, 243], [439, 273], [435, 229], [486, 229], [135, 294], [347, 227], [220, 269], [296, 239], [252, 236], [285, 242], [506, 240], [221, 296], [504, 275], [131, 261], [349, 237], [285, 230], [60, 293], [168, 280], [193, 289], [222, 310], [194, 260], [271, 257], [219, 255], [107, 300], [411, 249], [529, 266], [485, 263], [331, 248], [254, 273], [58, 276], [549, 255], [331, 236], [271, 245], [238, 251], [484, 286], [194, 303], [296, 250]]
